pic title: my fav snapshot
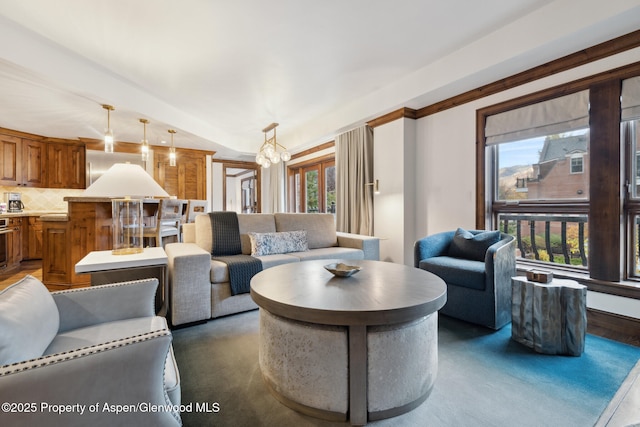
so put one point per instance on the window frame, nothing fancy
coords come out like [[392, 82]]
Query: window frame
[[571, 164]]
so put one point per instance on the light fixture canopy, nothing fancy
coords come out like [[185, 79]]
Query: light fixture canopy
[[108, 133], [172, 149], [268, 153], [145, 143]]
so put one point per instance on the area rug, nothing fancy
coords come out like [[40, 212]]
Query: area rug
[[484, 379]]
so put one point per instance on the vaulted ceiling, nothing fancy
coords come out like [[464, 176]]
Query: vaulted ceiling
[[220, 71]]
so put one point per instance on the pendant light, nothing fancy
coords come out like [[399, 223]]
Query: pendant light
[[108, 133], [172, 149], [145, 143]]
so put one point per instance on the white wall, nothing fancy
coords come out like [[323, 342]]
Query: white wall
[[394, 206], [217, 179]]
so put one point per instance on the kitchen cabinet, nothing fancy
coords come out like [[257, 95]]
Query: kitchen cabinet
[[32, 238], [55, 270], [186, 180], [23, 162], [66, 165], [14, 243], [33, 162]]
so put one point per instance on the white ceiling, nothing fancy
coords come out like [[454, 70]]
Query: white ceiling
[[220, 71]]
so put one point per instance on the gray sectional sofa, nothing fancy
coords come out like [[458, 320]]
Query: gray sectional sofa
[[199, 286]]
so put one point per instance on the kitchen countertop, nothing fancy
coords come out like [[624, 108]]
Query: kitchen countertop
[[30, 213]]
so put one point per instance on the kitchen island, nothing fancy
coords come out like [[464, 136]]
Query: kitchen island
[[67, 238]]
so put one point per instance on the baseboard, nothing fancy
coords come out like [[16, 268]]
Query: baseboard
[[613, 326]]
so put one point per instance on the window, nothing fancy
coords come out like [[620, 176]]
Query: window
[[313, 186], [630, 134], [576, 164], [532, 172], [539, 169], [562, 174]]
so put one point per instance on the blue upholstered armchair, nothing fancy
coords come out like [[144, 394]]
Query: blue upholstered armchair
[[477, 266]]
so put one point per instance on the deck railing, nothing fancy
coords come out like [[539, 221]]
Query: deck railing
[[541, 225]]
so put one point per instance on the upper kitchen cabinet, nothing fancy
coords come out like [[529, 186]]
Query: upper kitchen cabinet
[[66, 165], [186, 180], [23, 162]]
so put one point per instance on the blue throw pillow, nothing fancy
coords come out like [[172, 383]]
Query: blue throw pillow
[[472, 246]]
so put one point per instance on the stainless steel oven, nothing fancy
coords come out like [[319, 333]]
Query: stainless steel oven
[[4, 250]]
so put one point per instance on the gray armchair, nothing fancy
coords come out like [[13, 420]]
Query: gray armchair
[[477, 266], [95, 356]]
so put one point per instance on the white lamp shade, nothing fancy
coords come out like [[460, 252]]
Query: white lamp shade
[[125, 179]]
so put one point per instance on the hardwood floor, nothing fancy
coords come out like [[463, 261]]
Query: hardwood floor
[[33, 268]]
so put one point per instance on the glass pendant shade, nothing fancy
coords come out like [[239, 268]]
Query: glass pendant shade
[[145, 144], [172, 149], [108, 132], [145, 150], [108, 141]]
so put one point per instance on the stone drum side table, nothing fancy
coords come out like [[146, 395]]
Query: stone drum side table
[[551, 317]]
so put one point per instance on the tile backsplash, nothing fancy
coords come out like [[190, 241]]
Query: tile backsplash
[[42, 199]]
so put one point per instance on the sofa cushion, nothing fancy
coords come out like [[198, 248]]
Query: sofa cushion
[[278, 243], [204, 234], [329, 253], [220, 273], [472, 246], [29, 320], [256, 223], [320, 227], [457, 271], [104, 332]]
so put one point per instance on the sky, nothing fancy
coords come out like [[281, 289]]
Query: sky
[[526, 152]]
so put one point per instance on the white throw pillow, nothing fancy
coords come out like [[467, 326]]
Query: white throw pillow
[[29, 320], [278, 243]]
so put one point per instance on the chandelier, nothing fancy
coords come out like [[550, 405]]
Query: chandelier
[[108, 133], [268, 153]]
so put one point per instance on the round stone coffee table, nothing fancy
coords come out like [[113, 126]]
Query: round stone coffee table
[[363, 347]]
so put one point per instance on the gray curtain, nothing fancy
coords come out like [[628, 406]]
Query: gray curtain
[[354, 170]]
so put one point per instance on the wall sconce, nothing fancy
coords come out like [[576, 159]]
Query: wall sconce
[[375, 185]]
